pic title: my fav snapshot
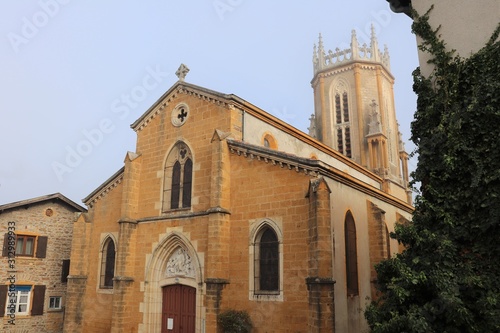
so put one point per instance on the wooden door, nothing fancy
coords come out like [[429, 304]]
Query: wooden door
[[178, 309]]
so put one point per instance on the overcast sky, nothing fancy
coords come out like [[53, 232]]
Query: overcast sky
[[71, 69]]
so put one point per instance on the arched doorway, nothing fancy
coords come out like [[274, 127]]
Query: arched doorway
[[173, 262], [178, 309]]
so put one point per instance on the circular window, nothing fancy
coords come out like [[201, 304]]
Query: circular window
[[180, 114]]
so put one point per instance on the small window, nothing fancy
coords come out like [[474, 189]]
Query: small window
[[19, 300], [269, 141], [22, 300], [107, 264], [25, 245], [55, 303]]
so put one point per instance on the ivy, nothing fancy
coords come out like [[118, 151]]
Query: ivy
[[447, 278]]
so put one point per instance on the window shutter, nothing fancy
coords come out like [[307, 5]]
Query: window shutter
[[3, 299], [41, 248], [5, 251], [38, 300], [65, 271]]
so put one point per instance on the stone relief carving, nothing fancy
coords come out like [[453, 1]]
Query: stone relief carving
[[180, 264]]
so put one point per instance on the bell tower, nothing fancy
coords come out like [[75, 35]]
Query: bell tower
[[354, 110]]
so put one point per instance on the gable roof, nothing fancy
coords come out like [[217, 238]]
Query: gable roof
[[50, 197], [207, 94]]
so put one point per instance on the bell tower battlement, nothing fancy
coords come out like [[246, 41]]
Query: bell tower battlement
[[325, 60], [354, 109]]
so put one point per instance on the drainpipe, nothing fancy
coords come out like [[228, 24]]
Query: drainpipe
[[242, 125]]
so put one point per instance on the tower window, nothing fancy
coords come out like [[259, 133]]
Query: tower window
[[340, 140], [345, 107], [348, 141], [342, 124], [338, 112]]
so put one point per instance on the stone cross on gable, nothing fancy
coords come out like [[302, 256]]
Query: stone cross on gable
[[182, 72]]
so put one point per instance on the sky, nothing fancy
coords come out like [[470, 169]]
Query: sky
[[75, 74]]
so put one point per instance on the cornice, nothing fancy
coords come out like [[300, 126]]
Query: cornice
[[299, 164], [368, 65], [313, 168]]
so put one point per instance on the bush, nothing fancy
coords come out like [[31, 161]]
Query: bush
[[234, 321]]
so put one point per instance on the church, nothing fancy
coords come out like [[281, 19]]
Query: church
[[224, 206]]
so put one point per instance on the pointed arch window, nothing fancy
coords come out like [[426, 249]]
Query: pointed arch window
[[265, 261], [351, 255], [342, 124], [268, 261], [107, 264], [178, 178]]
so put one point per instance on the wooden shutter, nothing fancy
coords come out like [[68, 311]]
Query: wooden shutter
[[3, 299], [5, 251], [65, 270], [38, 300], [41, 247]]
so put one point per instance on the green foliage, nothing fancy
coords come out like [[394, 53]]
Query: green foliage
[[448, 277], [234, 321]]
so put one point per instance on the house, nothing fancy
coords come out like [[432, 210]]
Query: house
[[36, 251], [465, 26], [224, 206]]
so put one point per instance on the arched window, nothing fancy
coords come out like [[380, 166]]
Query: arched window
[[107, 264], [351, 255], [269, 141], [267, 262], [178, 178]]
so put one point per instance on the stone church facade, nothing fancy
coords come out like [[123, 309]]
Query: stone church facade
[[224, 206]]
